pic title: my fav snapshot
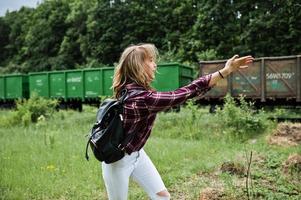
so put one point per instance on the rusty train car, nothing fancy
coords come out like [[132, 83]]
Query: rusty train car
[[268, 81]]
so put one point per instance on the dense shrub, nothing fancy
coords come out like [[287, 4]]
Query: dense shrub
[[240, 119], [28, 111], [194, 122], [33, 108]]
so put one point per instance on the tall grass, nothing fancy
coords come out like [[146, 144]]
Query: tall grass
[[239, 121], [45, 160]]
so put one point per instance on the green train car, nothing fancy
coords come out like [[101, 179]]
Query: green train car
[[74, 87], [13, 86], [171, 76], [89, 84], [67, 85]]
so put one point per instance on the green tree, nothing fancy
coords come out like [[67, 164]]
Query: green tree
[[113, 26], [178, 18], [4, 40], [43, 39], [13, 46], [271, 28], [74, 45], [216, 28]]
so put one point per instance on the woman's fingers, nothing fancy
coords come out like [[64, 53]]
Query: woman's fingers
[[244, 60], [243, 66], [249, 61], [234, 57], [236, 62], [248, 57]]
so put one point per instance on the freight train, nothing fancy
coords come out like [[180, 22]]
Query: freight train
[[75, 87], [268, 81]]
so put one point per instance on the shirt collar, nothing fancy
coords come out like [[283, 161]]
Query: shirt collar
[[133, 85]]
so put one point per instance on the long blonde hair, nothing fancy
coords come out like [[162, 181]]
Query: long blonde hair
[[132, 67]]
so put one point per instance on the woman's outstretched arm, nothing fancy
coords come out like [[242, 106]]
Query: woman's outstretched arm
[[158, 101]]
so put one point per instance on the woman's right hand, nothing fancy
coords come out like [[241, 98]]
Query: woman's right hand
[[232, 65], [235, 63]]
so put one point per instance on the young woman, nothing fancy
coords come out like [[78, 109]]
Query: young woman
[[135, 72]]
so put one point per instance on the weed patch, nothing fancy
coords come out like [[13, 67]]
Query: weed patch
[[45, 160], [234, 121], [241, 120], [30, 111]]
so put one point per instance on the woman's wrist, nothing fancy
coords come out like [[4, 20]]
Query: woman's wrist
[[224, 72]]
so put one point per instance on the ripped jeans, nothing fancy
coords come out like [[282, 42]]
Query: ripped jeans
[[138, 166]]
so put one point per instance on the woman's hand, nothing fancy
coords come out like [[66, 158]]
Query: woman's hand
[[232, 65], [235, 63]]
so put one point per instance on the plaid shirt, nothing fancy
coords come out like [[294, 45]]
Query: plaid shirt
[[141, 109]]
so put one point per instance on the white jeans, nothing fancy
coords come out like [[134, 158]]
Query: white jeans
[[138, 166]]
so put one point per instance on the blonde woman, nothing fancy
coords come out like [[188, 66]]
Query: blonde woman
[[135, 72]]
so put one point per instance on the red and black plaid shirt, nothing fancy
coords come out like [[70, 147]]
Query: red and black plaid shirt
[[140, 110]]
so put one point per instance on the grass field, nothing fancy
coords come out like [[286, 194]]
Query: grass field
[[46, 160]]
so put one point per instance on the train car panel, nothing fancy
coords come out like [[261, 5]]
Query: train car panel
[[166, 78], [2, 88], [15, 86], [57, 85], [74, 84], [298, 78], [281, 80], [25, 87], [185, 81], [185, 71], [39, 84], [221, 88], [107, 75], [186, 75], [247, 82], [172, 76], [93, 83]]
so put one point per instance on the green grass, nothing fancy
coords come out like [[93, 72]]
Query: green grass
[[46, 160]]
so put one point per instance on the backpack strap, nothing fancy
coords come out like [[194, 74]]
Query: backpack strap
[[130, 136], [123, 93]]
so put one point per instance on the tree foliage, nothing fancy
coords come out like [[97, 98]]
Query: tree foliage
[[67, 34]]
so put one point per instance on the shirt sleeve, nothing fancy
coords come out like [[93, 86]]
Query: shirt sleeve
[[159, 101]]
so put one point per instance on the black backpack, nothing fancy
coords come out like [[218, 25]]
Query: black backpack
[[107, 139]]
